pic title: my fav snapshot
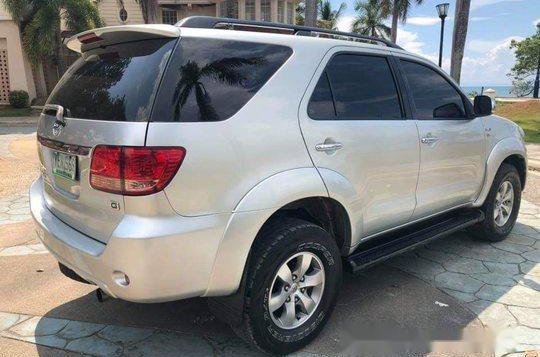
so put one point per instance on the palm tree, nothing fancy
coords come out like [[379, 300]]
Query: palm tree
[[328, 18], [310, 18], [461, 21], [399, 10], [191, 74], [39, 25], [370, 19], [148, 9]]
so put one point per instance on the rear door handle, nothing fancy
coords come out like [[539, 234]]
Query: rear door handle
[[429, 140], [328, 147]]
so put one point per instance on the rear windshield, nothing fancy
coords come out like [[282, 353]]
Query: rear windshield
[[114, 83], [211, 79]]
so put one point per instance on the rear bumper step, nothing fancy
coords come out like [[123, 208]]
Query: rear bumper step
[[397, 242]]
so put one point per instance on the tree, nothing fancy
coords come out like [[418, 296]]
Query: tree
[[39, 25], [148, 9], [527, 54], [461, 22], [300, 13], [310, 13], [369, 19], [521, 88], [328, 17], [399, 9]]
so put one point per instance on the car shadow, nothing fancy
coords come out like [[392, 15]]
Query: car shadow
[[400, 307]]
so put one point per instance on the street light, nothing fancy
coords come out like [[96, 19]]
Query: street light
[[537, 80], [442, 9]]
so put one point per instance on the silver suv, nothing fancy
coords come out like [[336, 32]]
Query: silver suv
[[254, 161]]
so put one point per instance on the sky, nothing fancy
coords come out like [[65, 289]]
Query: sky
[[492, 25]]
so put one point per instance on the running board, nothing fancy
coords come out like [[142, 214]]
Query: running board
[[397, 242]]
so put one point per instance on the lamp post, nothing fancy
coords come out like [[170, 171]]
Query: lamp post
[[537, 79], [442, 9]]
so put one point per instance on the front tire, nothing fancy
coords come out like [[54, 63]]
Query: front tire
[[292, 284], [501, 207]]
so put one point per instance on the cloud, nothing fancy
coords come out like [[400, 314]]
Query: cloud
[[476, 4], [479, 18], [490, 65], [345, 23], [410, 41], [423, 20]]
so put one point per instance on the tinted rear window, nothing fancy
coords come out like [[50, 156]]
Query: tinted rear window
[[115, 83], [210, 80]]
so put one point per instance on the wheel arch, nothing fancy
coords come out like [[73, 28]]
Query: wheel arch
[[509, 150], [298, 193]]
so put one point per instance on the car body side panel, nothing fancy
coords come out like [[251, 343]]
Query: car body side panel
[[379, 158], [250, 215], [503, 140], [226, 159]]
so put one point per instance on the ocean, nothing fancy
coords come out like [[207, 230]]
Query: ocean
[[501, 91]]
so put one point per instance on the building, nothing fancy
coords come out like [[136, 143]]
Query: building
[[121, 12], [15, 69], [17, 73]]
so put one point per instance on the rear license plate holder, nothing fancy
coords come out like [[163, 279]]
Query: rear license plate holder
[[65, 165]]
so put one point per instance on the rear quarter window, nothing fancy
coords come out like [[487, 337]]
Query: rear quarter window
[[211, 79], [115, 82]]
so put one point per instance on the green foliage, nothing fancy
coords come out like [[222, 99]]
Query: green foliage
[[527, 53], [300, 12], [472, 94], [370, 19], [18, 99], [521, 88], [402, 5], [39, 23], [329, 17]]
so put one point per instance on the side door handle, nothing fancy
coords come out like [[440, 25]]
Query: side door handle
[[429, 139], [328, 147]]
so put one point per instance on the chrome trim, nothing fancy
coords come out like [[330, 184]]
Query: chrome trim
[[328, 146], [63, 147]]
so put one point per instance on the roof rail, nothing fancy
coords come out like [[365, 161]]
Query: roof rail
[[209, 22]]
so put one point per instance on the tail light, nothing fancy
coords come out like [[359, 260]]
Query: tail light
[[134, 171]]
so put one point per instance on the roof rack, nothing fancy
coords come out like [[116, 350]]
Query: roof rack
[[209, 22]]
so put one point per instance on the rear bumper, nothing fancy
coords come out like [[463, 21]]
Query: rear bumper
[[165, 258]]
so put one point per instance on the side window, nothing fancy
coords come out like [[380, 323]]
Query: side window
[[321, 105], [211, 80], [361, 87], [433, 96]]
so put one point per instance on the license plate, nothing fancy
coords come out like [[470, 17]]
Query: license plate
[[65, 165]]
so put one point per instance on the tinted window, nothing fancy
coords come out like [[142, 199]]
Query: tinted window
[[362, 86], [210, 80], [432, 94], [321, 105], [115, 83]]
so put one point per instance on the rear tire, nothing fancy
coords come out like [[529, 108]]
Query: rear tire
[[292, 285], [501, 207]]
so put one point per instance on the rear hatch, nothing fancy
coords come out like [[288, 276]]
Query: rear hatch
[[105, 98]]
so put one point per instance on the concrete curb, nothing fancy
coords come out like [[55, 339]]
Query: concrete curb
[[18, 121]]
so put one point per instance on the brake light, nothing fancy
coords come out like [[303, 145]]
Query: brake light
[[89, 38], [134, 171]]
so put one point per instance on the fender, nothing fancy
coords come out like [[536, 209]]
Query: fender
[[248, 217], [503, 149]]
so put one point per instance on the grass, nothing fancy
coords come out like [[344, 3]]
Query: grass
[[7, 111], [525, 114]]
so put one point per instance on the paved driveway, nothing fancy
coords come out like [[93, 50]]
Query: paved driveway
[[440, 298]]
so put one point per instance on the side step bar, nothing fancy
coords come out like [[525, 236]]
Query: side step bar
[[397, 242]]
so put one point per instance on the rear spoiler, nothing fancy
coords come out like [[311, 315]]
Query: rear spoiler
[[103, 36]]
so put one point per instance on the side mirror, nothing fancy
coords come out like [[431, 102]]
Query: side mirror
[[483, 105], [450, 110]]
